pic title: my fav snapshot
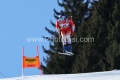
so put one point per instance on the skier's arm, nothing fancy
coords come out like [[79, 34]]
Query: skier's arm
[[72, 25], [57, 27]]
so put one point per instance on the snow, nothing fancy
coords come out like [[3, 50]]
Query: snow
[[106, 75]]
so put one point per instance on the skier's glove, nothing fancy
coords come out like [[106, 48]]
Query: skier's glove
[[72, 33], [59, 34]]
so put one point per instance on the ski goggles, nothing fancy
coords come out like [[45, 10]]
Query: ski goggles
[[62, 18]]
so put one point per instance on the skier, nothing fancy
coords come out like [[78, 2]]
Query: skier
[[65, 28]]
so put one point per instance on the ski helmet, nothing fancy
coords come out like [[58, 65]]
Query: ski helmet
[[62, 17]]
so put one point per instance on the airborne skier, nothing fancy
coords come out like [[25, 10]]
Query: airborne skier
[[65, 28]]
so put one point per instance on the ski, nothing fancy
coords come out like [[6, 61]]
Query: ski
[[66, 53]]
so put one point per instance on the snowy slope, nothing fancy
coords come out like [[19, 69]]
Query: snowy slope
[[109, 75]]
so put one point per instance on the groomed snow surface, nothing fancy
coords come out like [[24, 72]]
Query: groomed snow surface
[[108, 75]]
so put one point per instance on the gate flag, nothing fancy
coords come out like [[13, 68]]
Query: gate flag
[[30, 62]]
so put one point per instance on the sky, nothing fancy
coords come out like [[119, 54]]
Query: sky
[[104, 75], [20, 20]]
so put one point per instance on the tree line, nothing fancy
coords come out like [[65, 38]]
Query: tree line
[[97, 19]]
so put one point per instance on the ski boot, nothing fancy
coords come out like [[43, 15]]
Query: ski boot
[[70, 49], [64, 48]]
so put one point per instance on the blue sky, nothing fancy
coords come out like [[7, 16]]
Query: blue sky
[[21, 19]]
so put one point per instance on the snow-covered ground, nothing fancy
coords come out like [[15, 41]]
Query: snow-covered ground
[[108, 75]]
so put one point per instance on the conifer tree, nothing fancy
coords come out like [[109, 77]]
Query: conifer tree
[[55, 63], [99, 24], [104, 27]]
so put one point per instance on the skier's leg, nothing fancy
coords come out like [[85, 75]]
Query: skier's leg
[[69, 44], [69, 40], [64, 40]]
